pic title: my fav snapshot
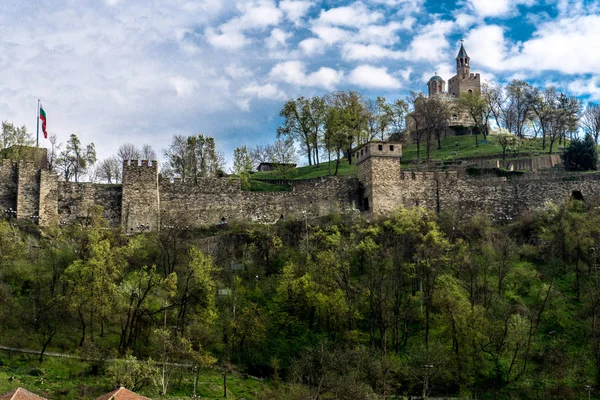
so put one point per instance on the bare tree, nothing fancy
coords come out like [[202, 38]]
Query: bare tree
[[260, 154], [109, 170], [590, 120], [128, 152], [416, 119], [282, 151], [148, 153]]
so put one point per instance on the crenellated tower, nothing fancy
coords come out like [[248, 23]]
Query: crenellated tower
[[464, 81], [378, 170], [141, 200]]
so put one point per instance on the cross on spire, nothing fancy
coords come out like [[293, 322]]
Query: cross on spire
[[462, 41]]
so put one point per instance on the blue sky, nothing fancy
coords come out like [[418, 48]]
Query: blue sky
[[115, 71]]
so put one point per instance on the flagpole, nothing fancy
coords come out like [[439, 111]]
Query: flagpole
[[37, 136]]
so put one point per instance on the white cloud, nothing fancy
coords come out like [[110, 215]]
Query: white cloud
[[354, 52], [294, 73], [331, 35], [370, 77], [404, 7], [570, 45], [238, 72], [267, 91], [313, 46], [255, 14], [278, 38], [586, 87], [383, 34], [228, 40], [564, 45], [487, 47], [497, 8], [432, 43], [295, 10], [356, 14], [183, 86]]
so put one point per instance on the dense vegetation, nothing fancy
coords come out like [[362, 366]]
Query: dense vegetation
[[337, 308]]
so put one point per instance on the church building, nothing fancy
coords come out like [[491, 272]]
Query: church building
[[462, 83]]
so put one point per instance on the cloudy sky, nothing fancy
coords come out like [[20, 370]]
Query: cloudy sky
[[113, 71]]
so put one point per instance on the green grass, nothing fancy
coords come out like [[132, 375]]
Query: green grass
[[258, 186], [308, 172], [465, 150], [62, 378], [468, 149]]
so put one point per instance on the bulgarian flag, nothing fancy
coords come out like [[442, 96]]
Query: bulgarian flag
[[43, 118]]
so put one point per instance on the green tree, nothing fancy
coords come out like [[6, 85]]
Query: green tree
[[242, 163], [193, 157], [475, 106], [303, 122], [14, 136], [581, 154], [76, 159], [133, 374]]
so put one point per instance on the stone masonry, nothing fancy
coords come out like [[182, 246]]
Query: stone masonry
[[144, 202]]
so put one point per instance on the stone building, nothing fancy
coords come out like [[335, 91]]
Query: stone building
[[462, 83]]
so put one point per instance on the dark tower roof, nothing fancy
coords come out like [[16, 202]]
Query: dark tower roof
[[436, 78], [462, 53]]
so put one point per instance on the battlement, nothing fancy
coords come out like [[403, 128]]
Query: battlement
[[140, 164], [378, 149]]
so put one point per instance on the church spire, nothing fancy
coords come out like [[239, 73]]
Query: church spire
[[463, 61]]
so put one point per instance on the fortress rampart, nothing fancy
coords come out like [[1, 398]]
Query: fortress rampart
[[144, 202]]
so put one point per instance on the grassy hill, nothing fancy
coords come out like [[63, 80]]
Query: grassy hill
[[465, 149]]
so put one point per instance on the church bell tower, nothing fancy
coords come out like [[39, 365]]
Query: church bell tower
[[463, 62]]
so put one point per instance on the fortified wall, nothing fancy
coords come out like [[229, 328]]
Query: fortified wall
[[145, 202], [387, 187]]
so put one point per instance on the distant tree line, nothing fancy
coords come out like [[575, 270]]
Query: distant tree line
[[330, 126]]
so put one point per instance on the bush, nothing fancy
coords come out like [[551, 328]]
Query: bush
[[581, 154]]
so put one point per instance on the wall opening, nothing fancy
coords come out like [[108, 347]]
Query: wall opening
[[577, 195]]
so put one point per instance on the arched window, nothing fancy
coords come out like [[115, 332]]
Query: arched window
[[470, 91]]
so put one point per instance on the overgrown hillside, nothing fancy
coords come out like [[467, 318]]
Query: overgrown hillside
[[336, 308], [453, 148]]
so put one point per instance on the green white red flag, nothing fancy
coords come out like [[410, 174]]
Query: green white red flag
[[43, 118]]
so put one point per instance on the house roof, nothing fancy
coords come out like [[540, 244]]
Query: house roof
[[122, 394], [276, 164], [20, 394], [462, 53]]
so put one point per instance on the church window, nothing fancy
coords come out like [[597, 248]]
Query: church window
[[391, 147], [454, 117], [380, 147], [470, 91]]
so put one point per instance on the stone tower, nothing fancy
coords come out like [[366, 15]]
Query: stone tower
[[378, 170], [436, 85], [140, 204], [463, 67], [464, 81]]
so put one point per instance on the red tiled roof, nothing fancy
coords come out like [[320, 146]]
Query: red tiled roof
[[20, 394], [120, 394]]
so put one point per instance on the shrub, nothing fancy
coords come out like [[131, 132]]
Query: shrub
[[581, 154]]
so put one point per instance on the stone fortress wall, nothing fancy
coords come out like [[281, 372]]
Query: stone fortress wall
[[143, 202]]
